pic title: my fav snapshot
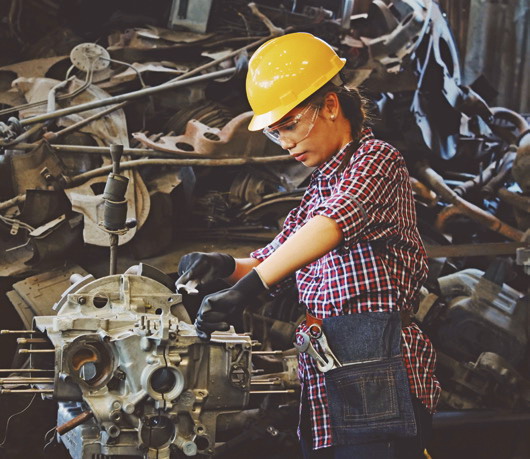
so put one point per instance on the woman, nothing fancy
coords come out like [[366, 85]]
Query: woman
[[357, 255]]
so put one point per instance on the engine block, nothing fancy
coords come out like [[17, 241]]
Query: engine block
[[128, 359]]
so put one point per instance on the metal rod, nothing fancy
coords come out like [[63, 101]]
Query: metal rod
[[36, 351], [31, 340], [60, 148], [21, 380], [126, 97], [26, 391], [113, 265], [179, 163], [23, 370], [78, 179], [50, 136], [8, 332], [274, 382], [73, 423], [267, 352], [286, 391], [6, 205]]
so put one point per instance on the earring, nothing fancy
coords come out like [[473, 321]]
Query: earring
[[332, 117]]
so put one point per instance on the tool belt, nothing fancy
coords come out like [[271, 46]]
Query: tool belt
[[406, 318]]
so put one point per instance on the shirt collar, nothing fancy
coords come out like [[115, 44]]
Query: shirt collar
[[331, 166]]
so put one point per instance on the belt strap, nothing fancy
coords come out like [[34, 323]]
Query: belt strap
[[406, 318]]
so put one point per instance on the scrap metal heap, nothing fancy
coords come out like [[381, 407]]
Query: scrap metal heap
[[126, 357]]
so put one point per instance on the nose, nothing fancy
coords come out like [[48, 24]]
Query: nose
[[286, 143]]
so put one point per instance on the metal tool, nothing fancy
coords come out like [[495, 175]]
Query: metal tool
[[317, 333], [303, 344], [189, 287]]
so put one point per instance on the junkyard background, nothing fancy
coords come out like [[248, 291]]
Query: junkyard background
[[448, 85]]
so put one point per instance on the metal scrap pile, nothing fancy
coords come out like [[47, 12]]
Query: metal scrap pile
[[174, 98]]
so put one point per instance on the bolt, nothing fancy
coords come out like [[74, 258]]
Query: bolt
[[81, 300], [189, 448]]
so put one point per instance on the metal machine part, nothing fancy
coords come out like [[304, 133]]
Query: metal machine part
[[480, 316], [490, 382], [126, 352], [90, 57]]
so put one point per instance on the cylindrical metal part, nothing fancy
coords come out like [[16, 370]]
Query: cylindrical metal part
[[267, 352], [30, 340], [36, 351], [16, 332], [73, 423], [26, 380], [114, 215], [113, 254], [115, 187], [116, 152], [24, 370], [285, 391], [26, 391]]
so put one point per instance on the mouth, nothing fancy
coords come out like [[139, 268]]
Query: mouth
[[299, 156]]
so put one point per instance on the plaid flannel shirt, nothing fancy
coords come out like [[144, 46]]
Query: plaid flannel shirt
[[380, 265]]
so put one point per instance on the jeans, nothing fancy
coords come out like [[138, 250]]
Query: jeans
[[369, 398], [405, 448]]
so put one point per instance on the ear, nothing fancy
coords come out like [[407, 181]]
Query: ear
[[331, 105]]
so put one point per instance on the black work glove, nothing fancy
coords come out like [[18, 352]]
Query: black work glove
[[204, 267], [216, 309]]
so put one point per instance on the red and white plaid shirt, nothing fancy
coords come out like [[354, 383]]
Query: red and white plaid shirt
[[379, 267]]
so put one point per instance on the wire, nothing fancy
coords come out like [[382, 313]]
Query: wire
[[138, 73], [13, 222], [13, 415], [51, 440]]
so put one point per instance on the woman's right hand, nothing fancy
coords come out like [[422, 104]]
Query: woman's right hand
[[200, 268]]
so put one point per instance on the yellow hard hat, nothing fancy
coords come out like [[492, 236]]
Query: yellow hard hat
[[286, 70]]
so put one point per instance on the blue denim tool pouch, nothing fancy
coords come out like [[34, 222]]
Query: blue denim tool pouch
[[368, 397]]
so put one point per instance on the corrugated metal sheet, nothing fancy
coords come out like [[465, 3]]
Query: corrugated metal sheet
[[494, 40]]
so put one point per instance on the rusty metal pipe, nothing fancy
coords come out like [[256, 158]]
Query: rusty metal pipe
[[73, 423], [437, 184]]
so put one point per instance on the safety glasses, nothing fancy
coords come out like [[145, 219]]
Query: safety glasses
[[294, 129]]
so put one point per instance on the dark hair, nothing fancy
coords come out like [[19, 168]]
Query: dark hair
[[353, 104]]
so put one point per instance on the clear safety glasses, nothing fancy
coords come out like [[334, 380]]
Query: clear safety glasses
[[294, 129]]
